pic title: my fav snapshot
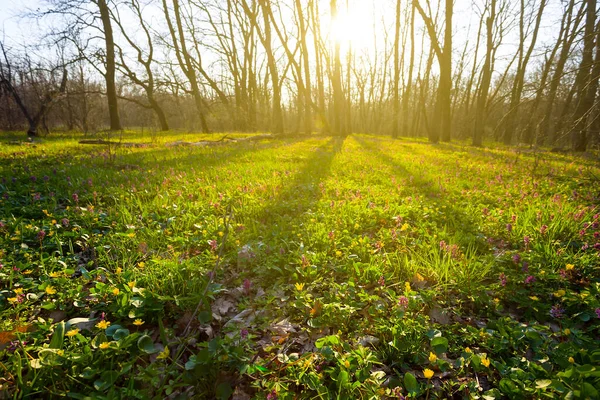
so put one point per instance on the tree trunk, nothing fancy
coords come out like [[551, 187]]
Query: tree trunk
[[111, 90]]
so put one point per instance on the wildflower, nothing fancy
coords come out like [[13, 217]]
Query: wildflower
[[18, 291], [468, 350], [503, 279], [13, 300], [103, 324], [41, 235], [116, 291], [485, 361], [55, 274], [557, 311], [569, 267], [407, 288], [516, 258], [567, 332], [75, 197], [72, 332], [338, 253], [131, 284], [247, 286], [299, 286], [104, 345], [559, 293], [138, 322], [544, 229], [427, 373], [529, 280], [272, 395], [119, 270], [571, 360], [213, 245], [381, 281], [598, 312], [509, 227], [141, 265], [164, 354], [403, 301], [50, 289], [64, 222], [244, 333], [432, 357], [526, 240], [346, 363], [534, 298]]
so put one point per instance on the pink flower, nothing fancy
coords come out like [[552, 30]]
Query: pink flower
[[529, 280], [247, 286], [403, 301]]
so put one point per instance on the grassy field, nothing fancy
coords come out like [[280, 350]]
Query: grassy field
[[310, 268]]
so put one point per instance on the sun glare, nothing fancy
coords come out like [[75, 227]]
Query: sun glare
[[353, 27]]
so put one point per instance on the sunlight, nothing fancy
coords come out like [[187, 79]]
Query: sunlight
[[353, 27]]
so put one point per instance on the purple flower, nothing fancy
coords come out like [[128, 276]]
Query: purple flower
[[247, 286], [272, 395], [75, 197], [529, 280], [598, 312], [557, 311], [46, 178], [381, 281], [403, 301], [509, 227], [244, 333], [516, 258], [33, 179], [525, 266], [503, 279], [41, 235], [526, 240], [544, 229], [64, 222]]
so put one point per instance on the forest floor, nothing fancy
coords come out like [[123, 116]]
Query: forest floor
[[350, 268]]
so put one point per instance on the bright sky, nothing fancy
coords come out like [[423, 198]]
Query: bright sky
[[357, 25]]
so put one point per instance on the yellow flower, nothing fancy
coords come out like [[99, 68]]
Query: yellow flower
[[13, 300], [567, 332], [338, 253], [18, 291], [55, 274], [432, 357], [347, 363], [104, 345], [103, 324], [404, 227], [119, 270], [141, 265], [138, 322], [131, 235], [221, 234], [116, 291], [559, 293], [72, 332], [534, 298], [299, 286], [427, 373], [571, 360], [50, 290], [27, 272], [407, 287], [164, 354], [569, 267], [485, 361], [60, 352], [496, 300], [468, 350], [131, 284]]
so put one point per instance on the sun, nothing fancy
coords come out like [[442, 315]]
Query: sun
[[353, 27]]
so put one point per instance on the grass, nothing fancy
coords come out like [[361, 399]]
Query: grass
[[310, 268]]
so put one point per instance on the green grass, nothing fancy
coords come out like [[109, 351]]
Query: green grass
[[352, 266]]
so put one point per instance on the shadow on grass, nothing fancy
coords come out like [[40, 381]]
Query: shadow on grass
[[297, 196]]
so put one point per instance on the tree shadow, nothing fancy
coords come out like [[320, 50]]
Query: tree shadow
[[297, 194]]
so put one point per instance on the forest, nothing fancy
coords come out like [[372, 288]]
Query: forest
[[300, 199]]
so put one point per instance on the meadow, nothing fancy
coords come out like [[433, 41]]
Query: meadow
[[311, 267]]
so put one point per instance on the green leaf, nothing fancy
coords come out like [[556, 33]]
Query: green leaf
[[343, 378], [58, 337], [439, 344], [543, 383], [120, 334], [224, 391], [205, 317], [146, 344], [411, 384], [589, 391]]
